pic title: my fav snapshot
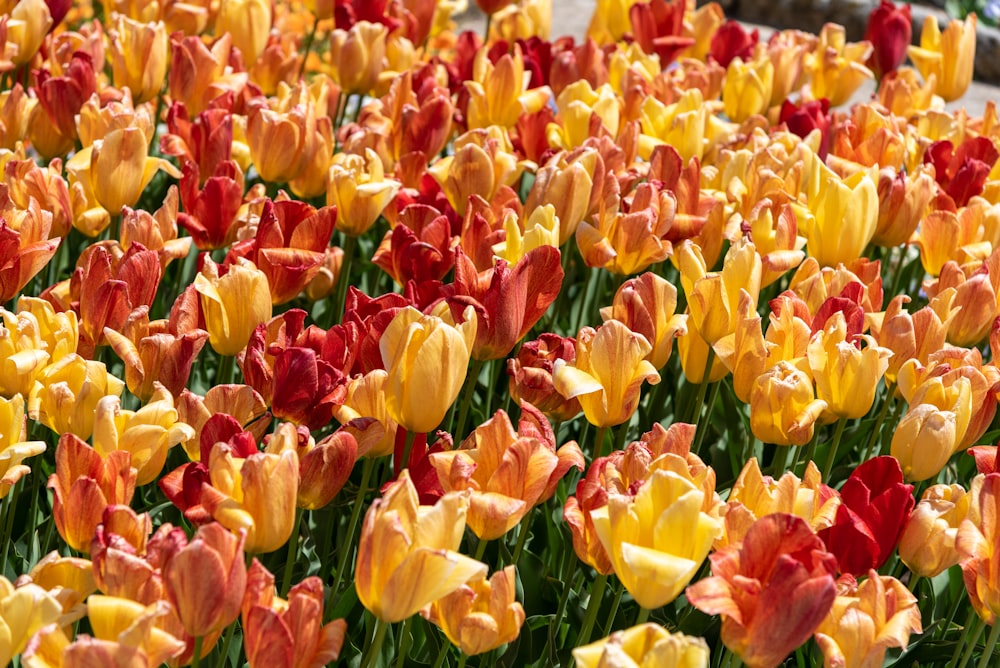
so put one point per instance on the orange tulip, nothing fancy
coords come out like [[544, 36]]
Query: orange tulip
[[139, 57], [358, 56], [407, 555], [198, 75], [646, 305], [324, 467]]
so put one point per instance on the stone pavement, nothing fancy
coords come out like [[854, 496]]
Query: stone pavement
[[571, 17]]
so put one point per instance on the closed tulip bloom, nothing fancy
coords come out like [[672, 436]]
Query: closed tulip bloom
[[257, 495], [949, 56], [903, 200], [14, 446], [139, 57], [646, 305], [267, 128], [693, 351], [83, 485], [845, 217], [358, 56], [773, 589], [480, 615], [608, 373], [118, 168], [927, 545], [27, 25], [148, 433], [866, 620], [206, 580], [408, 554], [66, 393], [924, 441], [889, 30], [483, 162], [644, 646], [747, 89], [658, 540], [783, 408], [249, 22], [23, 612], [420, 352], [360, 190], [235, 299], [846, 376]]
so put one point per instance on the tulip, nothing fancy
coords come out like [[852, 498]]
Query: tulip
[[508, 472], [961, 172], [607, 374], [889, 32], [288, 634], [69, 580], [530, 373], [773, 229], [139, 57], [66, 394], [421, 253], [866, 620], [578, 103], [118, 168], [646, 305], [714, 298], [24, 252], [927, 545], [25, 611], [27, 24], [403, 543], [875, 507], [644, 645], [732, 41], [481, 615], [360, 190], [903, 200], [949, 56], [363, 414], [14, 448], [294, 128], [837, 68], [120, 625], [773, 590], [240, 402], [358, 56], [83, 485], [747, 90], [148, 434], [422, 351], [482, 164], [566, 181], [206, 580], [653, 566], [924, 441], [850, 204], [324, 467], [235, 299], [198, 75], [249, 22], [783, 408], [257, 495]]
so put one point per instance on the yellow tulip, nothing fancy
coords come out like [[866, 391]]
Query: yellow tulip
[[949, 57], [365, 399], [27, 25], [714, 297], [540, 229], [14, 448], [644, 645], [845, 217], [359, 189], [65, 395], [249, 22], [658, 539], [927, 545], [23, 612], [747, 89], [608, 373], [783, 408], [427, 358], [837, 68], [408, 554], [139, 57], [234, 303], [924, 441], [129, 625], [846, 376]]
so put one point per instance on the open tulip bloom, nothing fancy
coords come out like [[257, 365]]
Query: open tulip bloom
[[332, 331]]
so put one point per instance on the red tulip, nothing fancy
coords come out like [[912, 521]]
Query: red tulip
[[961, 172], [889, 31]]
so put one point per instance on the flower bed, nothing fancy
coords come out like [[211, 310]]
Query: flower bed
[[332, 334]]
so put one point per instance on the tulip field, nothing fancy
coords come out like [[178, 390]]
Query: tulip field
[[334, 335]]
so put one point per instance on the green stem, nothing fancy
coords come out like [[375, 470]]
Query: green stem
[[780, 463], [309, 42], [700, 434], [642, 617], [873, 439], [564, 597], [196, 657], [480, 549], [991, 643], [834, 444], [615, 602], [293, 554], [593, 607], [582, 306], [376, 649], [404, 642], [970, 645], [458, 433], [352, 527], [443, 654], [522, 536], [599, 442], [227, 641], [462, 659], [407, 450], [702, 388], [343, 280], [224, 374]]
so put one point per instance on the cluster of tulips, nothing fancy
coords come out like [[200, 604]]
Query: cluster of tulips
[[407, 301]]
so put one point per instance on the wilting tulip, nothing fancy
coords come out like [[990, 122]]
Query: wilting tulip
[[653, 567], [360, 190], [875, 506], [249, 22], [83, 485], [607, 374], [148, 434], [644, 645], [866, 620], [424, 351], [66, 394], [949, 56], [235, 299], [256, 495], [646, 305], [927, 545], [401, 542], [480, 615], [783, 408], [14, 448], [206, 580], [139, 57], [118, 168], [288, 634], [508, 472], [773, 590], [25, 611], [889, 32]]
